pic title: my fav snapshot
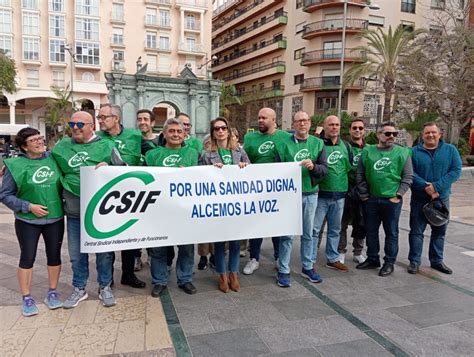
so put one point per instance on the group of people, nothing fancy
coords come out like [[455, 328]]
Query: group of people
[[343, 182]]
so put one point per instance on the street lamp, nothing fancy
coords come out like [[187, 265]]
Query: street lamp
[[343, 44], [213, 58], [71, 52]]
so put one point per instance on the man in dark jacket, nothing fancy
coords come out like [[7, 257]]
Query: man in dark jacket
[[436, 166]]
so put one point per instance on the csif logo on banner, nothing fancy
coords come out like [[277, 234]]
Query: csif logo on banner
[[119, 202], [42, 174], [266, 147]]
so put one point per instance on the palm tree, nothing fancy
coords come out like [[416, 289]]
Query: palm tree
[[383, 52], [57, 110]]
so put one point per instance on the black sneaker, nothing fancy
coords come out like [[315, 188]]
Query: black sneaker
[[202, 265], [188, 288], [157, 290], [212, 262], [412, 268]]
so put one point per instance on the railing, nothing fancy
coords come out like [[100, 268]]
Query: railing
[[335, 24], [246, 51], [158, 2], [117, 17], [118, 65], [197, 48], [225, 6], [261, 93], [199, 3], [321, 55], [254, 70], [155, 46], [330, 82], [153, 21], [117, 40], [193, 26], [237, 13], [308, 3], [240, 32]]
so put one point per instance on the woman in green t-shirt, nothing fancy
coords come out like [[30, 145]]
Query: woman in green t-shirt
[[31, 189], [225, 151]]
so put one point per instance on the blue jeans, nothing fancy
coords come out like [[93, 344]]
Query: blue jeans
[[310, 202], [80, 261], [234, 256], [184, 264], [376, 211], [331, 209], [418, 225], [256, 246]]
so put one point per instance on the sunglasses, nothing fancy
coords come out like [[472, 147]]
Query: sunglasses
[[218, 128], [357, 128], [78, 124], [187, 124], [391, 133]]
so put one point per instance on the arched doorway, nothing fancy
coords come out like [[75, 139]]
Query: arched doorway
[[164, 111], [88, 106]]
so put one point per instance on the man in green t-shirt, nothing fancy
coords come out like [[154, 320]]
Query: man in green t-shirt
[[145, 123], [263, 146], [128, 142], [384, 174], [188, 139], [309, 152], [173, 154]]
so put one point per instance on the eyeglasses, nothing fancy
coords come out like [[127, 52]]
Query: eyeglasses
[[36, 139], [301, 121], [103, 117], [187, 125], [357, 128], [78, 124], [391, 133], [218, 128]]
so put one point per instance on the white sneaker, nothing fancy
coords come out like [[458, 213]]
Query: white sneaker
[[342, 257], [277, 264], [359, 258], [251, 266]]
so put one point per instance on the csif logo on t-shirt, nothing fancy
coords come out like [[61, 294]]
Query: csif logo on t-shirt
[[171, 160], [334, 157], [42, 174], [266, 147], [301, 155], [227, 159], [78, 159], [355, 160], [382, 163]]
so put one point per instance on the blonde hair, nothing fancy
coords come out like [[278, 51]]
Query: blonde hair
[[230, 143]]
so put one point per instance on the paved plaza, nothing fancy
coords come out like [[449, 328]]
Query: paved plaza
[[350, 314]]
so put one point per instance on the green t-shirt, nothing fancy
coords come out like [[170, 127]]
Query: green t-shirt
[[71, 156], [195, 143], [38, 182], [165, 157], [338, 168], [262, 148], [226, 156], [299, 151], [383, 169], [128, 144], [356, 152]]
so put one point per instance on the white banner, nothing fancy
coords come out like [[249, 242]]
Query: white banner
[[138, 207]]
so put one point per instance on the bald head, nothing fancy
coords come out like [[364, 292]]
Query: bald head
[[332, 127], [267, 121], [83, 116], [82, 127]]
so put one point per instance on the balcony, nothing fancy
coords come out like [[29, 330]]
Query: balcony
[[117, 41], [315, 5], [254, 73], [327, 83], [187, 49], [192, 26], [158, 2], [117, 18], [240, 56], [241, 15], [152, 22], [332, 56], [326, 27], [153, 46], [229, 5], [118, 66], [246, 33], [202, 4], [262, 93]]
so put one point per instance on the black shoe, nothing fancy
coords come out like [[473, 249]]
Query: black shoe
[[112, 283], [133, 281], [212, 262], [202, 265], [188, 288], [441, 267], [368, 264], [412, 268], [157, 290], [386, 270]]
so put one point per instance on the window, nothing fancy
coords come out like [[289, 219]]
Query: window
[[56, 50], [164, 18], [87, 29], [190, 22], [190, 44], [29, 4], [117, 36], [56, 5], [164, 64], [6, 3], [56, 26], [87, 53], [296, 105], [332, 49], [6, 21], [152, 61], [408, 26], [436, 31], [326, 103], [438, 4], [119, 55], [164, 43], [87, 7], [30, 23], [58, 79], [298, 79], [151, 40], [117, 12], [376, 20], [88, 77], [32, 78], [299, 3], [31, 49], [6, 45], [118, 63], [298, 53], [408, 6], [300, 27], [276, 84], [151, 16]]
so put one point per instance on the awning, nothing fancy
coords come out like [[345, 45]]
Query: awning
[[11, 129]]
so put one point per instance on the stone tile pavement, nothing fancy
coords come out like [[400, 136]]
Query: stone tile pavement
[[356, 313]]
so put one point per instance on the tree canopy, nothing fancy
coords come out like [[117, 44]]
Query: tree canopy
[[7, 73]]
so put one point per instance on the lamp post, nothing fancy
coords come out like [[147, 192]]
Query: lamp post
[[343, 44], [213, 58], [70, 50]]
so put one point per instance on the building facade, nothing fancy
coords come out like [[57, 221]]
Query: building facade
[[287, 54], [75, 42]]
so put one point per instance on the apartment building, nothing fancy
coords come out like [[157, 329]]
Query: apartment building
[[287, 54], [75, 42]]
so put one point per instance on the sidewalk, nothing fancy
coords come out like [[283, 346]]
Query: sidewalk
[[356, 313]]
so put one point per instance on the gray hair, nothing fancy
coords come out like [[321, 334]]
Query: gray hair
[[172, 121], [114, 109], [299, 112]]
